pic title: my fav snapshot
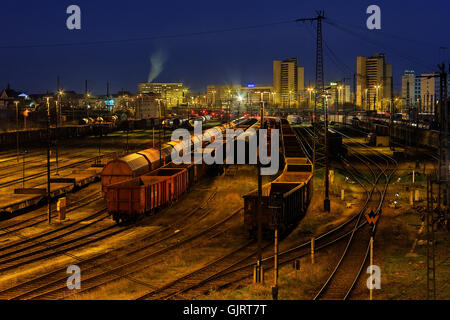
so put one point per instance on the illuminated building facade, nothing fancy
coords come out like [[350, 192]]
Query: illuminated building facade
[[171, 93], [288, 81], [373, 81]]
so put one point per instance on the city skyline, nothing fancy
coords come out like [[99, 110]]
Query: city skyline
[[236, 57]]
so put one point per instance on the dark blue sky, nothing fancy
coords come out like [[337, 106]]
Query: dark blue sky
[[231, 57]]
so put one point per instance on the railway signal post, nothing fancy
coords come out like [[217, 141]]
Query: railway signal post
[[371, 262], [372, 219]]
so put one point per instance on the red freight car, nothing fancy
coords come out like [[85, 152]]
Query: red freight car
[[129, 167], [129, 199]]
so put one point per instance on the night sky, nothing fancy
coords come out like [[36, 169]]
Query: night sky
[[412, 32]]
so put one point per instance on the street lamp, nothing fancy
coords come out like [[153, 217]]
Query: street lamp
[[60, 94], [310, 90], [365, 98], [17, 128], [339, 101], [240, 99], [48, 160], [56, 134], [326, 201], [290, 98], [377, 86]]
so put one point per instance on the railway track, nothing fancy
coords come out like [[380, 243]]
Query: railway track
[[43, 173], [42, 217], [432, 154], [108, 266], [49, 245], [343, 278], [235, 273], [36, 163], [132, 148], [193, 279], [232, 268]]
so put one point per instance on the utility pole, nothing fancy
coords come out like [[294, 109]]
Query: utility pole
[[443, 161], [443, 173], [430, 239], [259, 274], [48, 162], [319, 85], [275, 204]]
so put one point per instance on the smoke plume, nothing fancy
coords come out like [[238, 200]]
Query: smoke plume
[[157, 61]]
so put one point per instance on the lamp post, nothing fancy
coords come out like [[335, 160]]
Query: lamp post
[[239, 105], [310, 90], [377, 99], [56, 136], [339, 100], [48, 161], [59, 111], [259, 212], [230, 98], [159, 131], [365, 98], [25, 115], [290, 99], [17, 129], [326, 201]]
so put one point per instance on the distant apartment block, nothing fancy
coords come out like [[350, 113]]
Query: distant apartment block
[[373, 76], [172, 94], [288, 81], [410, 89]]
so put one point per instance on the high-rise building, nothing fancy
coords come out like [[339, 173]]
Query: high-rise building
[[373, 82], [288, 81], [429, 92], [171, 93], [410, 89]]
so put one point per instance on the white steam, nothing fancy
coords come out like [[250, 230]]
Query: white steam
[[157, 61]]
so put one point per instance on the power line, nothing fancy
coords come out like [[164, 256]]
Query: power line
[[386, 34], [155, 37], [379, 45], [344, 68]]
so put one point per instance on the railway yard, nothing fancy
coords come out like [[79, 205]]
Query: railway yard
[[140, 226]]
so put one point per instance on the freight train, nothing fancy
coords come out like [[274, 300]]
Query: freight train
[[285, 200], [136, 184]]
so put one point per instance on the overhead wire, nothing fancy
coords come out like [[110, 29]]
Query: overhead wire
[[378, 44], [154, 37]]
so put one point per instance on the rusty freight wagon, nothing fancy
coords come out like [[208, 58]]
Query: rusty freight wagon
[[286, 199], [130, 166], [127, 200]]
